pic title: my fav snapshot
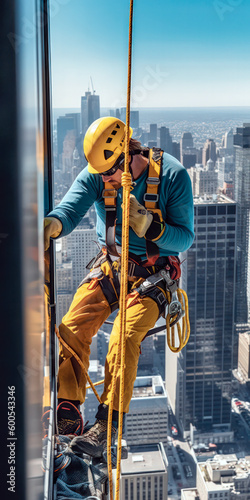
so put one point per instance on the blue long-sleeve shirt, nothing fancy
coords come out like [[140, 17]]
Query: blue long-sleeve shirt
[[175, 202]]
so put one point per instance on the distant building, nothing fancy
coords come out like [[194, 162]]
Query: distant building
[[93, 108], [204, 180], [165, 140], [242, 196], [190, 494], [123, 114], [217, 434], [146, 359], [226, 170], [189, 158], [144, 474], [84, 112], [134, 119], [176, 150], [186, 142], [77, 121], [227, 147], [209, 151], [64, 283], [244, 356], [152, 144], [63, 302], [80, 247], [198, 382], [224, 478], [90, 110], [147, 420], [227, 190], [66, 140], [96, 373], [153, 132]]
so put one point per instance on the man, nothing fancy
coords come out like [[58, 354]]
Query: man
[[154, 237]]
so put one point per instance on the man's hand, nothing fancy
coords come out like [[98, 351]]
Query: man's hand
[[139, 217], [52, 229]]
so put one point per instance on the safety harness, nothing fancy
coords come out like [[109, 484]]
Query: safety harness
[[151, 198]]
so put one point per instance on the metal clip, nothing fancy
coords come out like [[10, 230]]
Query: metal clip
[[153, 180]]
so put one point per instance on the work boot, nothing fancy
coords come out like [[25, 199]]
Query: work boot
[[69, 419], [94, 441]]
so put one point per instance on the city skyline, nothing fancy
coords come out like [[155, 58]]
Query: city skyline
[[196, 55]]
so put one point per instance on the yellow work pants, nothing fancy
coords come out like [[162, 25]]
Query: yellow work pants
[[87, 313]]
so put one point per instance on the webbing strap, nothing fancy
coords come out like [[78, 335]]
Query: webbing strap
[[109, 195], [151, 196]]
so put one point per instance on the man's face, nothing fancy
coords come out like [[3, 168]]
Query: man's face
[[114, 180]]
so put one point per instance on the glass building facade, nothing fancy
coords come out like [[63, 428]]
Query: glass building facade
[[242, 196], [205, 366]]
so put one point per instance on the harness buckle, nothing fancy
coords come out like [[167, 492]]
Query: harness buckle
[[151, 197], [109, 193], [161, 298], [131, 268], [153, 180]]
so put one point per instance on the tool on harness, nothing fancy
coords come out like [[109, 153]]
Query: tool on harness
[[172, 303]]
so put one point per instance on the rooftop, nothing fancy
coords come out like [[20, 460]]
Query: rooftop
[[226, 466], [145, 387], [143, 459], [213, 199], [190, 494]]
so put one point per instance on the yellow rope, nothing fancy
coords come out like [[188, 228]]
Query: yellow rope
[[126, 184], [184, 332], [95, 384], [79, 361]]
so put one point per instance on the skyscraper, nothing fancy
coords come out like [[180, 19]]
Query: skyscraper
[[202, 371], [153, 132], [66, 135], [144, 475], [147, 420], [204, 180], [242, 196], [226, 168], [227, 143], [84, 112], [80, 247], [90, 110], [209, 151], [176, 150], [134, 119], [93, 108], [186, 142], [165, 140]]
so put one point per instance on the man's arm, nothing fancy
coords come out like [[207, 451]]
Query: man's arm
[[80, 197]]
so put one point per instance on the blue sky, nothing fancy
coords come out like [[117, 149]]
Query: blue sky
[[185, 53]]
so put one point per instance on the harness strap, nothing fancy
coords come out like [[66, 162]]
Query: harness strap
[[151, 196], [110, 194]]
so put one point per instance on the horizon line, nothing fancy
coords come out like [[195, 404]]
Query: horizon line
[[163, 107]]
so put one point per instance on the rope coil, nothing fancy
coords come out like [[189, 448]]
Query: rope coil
[[184, 332]]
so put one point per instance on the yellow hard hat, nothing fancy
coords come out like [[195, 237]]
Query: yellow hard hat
[[103, 143]]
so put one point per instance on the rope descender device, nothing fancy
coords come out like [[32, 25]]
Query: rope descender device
[[176, 310]]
